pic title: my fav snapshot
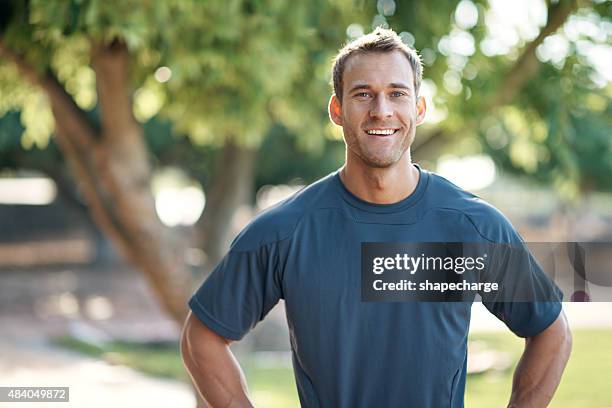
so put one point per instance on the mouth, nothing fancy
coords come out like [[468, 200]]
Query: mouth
[[381, 132]]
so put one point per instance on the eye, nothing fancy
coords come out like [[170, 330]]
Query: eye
[[362, 94], [398, 94]]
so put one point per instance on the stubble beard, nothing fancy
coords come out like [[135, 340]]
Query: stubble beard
[[375, 161]]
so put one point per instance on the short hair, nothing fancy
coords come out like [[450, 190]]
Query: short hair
[[379, 40]]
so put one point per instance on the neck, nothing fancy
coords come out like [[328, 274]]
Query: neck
[[378, 185]]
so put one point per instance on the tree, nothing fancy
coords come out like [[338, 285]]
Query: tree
[[112, 80], [539, 115], [221, 72]]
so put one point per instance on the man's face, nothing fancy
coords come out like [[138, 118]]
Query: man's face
[[379, 110]]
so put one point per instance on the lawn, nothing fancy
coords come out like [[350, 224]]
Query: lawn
[[586, 382]]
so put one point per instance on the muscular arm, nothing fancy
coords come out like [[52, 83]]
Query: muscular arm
[[212, 366], [539, 370]]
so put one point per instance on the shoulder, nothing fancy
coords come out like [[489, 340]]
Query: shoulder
[[489, 221], [278, 222]]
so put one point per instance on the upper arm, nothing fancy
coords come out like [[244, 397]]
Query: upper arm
[[240, 291], [528, 301], [558, 330], [196, 335]]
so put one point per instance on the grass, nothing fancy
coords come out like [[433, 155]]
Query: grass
[[586, 382], [155, 359]]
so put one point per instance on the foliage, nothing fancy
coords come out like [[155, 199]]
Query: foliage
[[555, 130], [229, 68], [245, 69]]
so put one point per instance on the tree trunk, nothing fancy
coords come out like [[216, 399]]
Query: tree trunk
[[113, 171], [232, 188]]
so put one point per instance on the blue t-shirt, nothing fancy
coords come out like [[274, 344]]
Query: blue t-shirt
[[349, 353]]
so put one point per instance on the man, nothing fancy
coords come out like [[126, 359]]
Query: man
[[307, 251]]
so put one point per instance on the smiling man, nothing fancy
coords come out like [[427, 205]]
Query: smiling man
[[307, 251]]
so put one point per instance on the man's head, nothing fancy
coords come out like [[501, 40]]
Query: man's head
[[381, 41], [376, 81]]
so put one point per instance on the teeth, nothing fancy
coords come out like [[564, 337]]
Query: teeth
[[380, 132]]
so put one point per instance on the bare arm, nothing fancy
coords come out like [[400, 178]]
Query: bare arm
[[212, 366], [539, 370]]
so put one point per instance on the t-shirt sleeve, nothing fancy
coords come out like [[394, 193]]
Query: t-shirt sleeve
[[240, 291], [528, 300], [526, 319]]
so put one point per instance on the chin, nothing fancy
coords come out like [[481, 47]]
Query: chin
[[380, 162], [376, 159]]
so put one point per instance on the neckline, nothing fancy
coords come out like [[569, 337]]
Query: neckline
[[404, 203]]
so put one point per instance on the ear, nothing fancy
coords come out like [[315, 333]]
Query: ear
[[421, 106], [335, 110]]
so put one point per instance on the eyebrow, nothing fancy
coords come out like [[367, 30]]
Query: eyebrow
[[399, 85]]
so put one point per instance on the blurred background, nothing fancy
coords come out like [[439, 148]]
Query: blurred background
[[138, 137]]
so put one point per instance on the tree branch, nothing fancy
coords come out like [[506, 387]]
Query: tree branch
[[114, 172], [123, 167], [120, 130], [110, 62], [75, 136], [524, 69], [126, 174], [527, 66]]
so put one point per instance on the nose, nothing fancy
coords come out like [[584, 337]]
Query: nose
[[381, 108]]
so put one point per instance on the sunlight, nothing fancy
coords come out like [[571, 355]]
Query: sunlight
[[27, 191], [179, 200], [469, 172]]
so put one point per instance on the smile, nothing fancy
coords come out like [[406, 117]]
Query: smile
[[381, 132]]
